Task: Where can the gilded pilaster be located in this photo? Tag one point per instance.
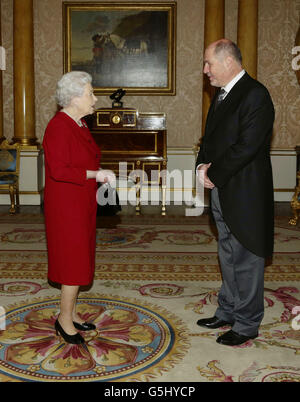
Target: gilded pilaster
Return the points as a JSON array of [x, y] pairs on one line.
[[213, 30], [24, 99], [247, 34]]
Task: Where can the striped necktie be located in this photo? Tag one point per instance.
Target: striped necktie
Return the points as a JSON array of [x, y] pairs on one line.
[[220, 97]]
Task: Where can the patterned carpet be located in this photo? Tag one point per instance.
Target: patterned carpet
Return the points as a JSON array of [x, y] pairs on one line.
[[155, 277]]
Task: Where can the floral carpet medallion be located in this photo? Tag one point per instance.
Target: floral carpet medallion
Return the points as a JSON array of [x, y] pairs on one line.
[[132, 342], [268, 373]]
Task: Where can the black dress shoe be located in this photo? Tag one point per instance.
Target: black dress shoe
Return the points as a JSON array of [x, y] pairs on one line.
[[232, 338], [85, 326], [76, 339], [213, 322]]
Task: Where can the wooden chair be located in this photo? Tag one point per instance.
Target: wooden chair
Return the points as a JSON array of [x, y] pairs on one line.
[[9, 173]]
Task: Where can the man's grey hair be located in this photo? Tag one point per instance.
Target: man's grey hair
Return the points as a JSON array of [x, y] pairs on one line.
[[227, 47], [71, 85]]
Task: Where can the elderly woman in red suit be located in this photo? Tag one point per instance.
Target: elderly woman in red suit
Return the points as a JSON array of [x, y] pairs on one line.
[[72, 162]]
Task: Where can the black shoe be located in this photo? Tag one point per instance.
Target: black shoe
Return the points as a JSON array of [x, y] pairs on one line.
[[213, 322], [75, 339], [232, 338], [85, 326]]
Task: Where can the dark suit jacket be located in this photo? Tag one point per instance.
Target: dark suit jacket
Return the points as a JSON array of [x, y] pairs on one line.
[[237, 143]]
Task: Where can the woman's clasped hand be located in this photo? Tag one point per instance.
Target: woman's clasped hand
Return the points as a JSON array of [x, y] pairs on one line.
[[106, 176]]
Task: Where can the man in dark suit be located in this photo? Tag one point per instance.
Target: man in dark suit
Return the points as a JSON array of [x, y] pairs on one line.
[[234, 162]]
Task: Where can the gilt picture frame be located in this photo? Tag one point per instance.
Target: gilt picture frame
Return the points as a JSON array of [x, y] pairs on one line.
[[129, 45]]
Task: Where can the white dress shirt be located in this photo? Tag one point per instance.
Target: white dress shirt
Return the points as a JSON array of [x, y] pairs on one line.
[[228, 87]]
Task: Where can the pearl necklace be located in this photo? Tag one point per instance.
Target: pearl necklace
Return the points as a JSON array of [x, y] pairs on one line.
[[77, 122]]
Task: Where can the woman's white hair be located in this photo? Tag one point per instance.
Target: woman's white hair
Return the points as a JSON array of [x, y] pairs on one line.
[[71, 85]]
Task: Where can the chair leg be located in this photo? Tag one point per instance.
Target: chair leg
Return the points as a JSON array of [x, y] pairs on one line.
[[12, 200], [17, 197], [293, 221], [295, 205]]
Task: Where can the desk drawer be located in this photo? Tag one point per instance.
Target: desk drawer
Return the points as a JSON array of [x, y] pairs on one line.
[[130, 143]]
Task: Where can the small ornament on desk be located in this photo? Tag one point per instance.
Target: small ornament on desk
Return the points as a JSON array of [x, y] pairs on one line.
[[116, 97]]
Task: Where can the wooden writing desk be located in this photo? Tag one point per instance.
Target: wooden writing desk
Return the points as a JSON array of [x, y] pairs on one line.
[[139, 139]]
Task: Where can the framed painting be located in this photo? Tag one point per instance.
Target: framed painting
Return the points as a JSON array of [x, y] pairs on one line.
[[129, 45]]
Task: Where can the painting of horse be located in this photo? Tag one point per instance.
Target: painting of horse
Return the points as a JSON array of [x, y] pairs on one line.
[[122, 45]]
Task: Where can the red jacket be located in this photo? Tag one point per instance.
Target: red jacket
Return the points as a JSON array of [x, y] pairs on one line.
[[70, 201]]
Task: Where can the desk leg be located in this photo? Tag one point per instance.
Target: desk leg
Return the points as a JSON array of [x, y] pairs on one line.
[[163, 207], [164, 192], [138, 196]]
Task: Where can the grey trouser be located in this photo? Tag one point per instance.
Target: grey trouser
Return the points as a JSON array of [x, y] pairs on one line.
[[241, 297]]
